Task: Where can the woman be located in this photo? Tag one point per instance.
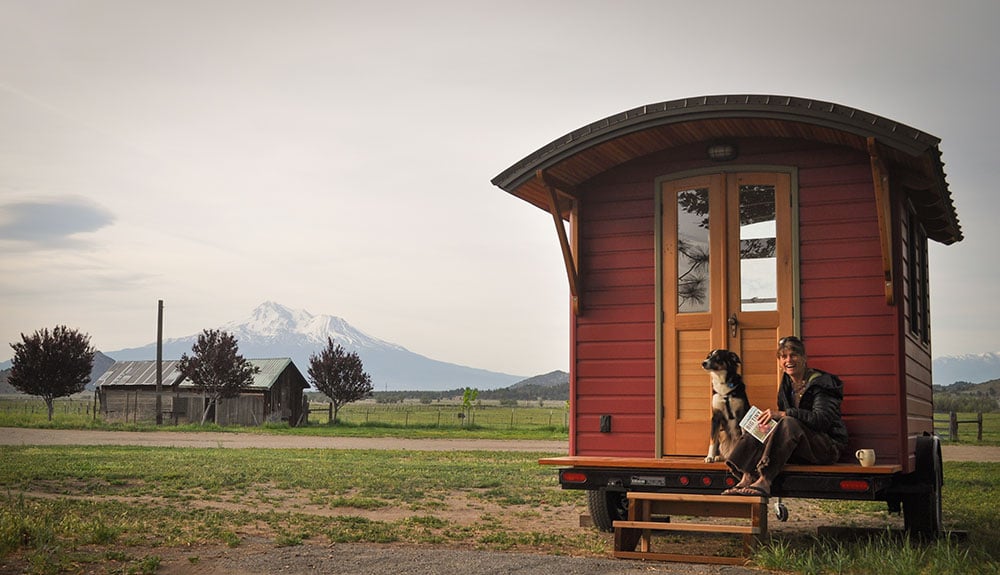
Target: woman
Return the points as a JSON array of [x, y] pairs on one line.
[[809, 428]]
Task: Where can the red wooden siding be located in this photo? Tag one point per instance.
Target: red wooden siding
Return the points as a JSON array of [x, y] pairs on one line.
[[918, 404], [848, 328], [847, 325], [614, 354]]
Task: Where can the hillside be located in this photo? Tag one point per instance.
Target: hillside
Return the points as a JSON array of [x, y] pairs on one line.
[[968, 397]]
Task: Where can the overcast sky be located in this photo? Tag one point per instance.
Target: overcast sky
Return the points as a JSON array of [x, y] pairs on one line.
[[336, 156]]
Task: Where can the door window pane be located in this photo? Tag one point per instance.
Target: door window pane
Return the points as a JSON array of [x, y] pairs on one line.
[[758, 261], [693, 279]]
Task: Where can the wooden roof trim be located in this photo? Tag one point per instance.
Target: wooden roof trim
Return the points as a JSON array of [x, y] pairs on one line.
[[836, 116], [773, 115]]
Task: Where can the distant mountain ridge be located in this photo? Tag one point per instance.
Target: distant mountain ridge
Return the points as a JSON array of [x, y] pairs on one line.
[[274, 330], [970, 368], [551, 379]]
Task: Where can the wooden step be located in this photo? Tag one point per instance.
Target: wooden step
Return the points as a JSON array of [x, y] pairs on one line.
[[638, 529]]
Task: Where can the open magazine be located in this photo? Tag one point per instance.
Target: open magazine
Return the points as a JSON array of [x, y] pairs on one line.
[[750, 425]]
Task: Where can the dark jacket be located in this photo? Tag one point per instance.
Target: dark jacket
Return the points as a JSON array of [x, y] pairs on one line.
[[819, 407]]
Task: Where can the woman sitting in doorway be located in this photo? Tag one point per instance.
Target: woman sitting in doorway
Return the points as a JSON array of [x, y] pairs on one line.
[[809, 428]]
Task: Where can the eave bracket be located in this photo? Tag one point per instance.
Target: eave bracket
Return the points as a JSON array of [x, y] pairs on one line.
[[555, 191], [880, 177]]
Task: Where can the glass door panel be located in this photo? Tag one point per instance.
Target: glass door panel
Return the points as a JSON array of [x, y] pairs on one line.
[[694, 277], [758, 261]]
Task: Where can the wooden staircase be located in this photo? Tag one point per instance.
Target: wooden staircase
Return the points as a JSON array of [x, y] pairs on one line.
[[642, 507]]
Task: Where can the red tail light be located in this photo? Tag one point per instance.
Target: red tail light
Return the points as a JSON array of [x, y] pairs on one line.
[[854, 485], [684, 480], [706, 481], [574, 477]]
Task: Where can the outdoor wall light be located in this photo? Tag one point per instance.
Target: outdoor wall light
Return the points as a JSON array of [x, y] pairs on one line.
[[722, 152]]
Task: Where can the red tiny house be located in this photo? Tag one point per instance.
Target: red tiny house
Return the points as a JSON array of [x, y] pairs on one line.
[[811, 219]]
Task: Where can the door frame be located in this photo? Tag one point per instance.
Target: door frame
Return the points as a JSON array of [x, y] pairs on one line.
[[660, 311]]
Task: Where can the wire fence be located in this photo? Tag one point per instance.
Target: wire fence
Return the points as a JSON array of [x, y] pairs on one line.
[[30, 410], [444, 416]]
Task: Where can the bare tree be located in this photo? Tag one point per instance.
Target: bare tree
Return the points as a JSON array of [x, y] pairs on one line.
[[339, 375], [52, 364], [217, 368]]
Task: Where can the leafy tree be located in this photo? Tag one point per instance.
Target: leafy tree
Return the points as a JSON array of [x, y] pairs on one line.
[[217, 368], [52, 364], [339, 375], [469, 396]]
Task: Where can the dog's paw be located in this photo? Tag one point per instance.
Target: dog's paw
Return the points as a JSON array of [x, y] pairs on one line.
[[712, 459]]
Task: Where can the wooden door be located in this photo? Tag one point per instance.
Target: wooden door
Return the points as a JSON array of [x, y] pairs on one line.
[[727, 280]]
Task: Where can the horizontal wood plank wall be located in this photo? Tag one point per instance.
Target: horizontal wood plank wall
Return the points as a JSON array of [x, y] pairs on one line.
[[615, 354], [847, 326], [918, 401]]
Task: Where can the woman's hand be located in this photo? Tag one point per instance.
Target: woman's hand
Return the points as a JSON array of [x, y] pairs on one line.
[[767, 415]]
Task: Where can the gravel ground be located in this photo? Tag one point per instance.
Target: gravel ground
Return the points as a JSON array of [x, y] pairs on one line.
[[359, 559]]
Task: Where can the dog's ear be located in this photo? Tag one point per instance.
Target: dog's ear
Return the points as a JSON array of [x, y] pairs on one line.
[[735, 358]]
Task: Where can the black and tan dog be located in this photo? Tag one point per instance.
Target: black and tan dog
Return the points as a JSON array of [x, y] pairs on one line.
[[729, 402]]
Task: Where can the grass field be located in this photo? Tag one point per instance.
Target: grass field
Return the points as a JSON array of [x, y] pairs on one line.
[[967, 430], [70, 509]]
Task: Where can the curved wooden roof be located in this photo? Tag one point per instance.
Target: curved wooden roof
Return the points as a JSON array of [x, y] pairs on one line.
[[913, 156]]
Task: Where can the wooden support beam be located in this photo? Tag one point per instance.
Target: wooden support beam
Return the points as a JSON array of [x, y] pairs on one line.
[[567, 249], [880, 177]]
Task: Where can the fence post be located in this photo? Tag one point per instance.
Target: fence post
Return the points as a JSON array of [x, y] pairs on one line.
[[979, 434], [953, 426]]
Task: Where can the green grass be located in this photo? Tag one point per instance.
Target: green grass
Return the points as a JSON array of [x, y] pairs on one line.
[[62, 507], [967, 431]]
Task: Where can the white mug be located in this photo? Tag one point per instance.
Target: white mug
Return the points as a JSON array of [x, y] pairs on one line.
[[866, 457]]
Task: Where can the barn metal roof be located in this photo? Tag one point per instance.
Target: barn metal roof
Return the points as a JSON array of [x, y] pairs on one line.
[[143, 373], [599, 146], [138, 373]]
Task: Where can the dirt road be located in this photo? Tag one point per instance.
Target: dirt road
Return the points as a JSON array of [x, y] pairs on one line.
[[19, 436]]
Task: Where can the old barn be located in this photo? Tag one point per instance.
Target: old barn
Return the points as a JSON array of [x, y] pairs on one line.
[[127, 392]]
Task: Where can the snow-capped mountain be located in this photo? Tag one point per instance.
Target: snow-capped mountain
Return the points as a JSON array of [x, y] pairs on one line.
[[971, 368], [273, 330], [273, 323]]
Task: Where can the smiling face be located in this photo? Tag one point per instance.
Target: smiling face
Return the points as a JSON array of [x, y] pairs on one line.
[[792, 357], [792, 363]]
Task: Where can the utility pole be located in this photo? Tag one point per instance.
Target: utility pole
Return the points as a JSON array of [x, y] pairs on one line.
[[159, 363]]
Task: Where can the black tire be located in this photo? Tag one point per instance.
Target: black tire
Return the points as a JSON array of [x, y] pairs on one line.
[[922, 511], [606, 507]]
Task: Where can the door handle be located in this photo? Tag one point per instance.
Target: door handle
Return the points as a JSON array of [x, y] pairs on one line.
[[733, 324]]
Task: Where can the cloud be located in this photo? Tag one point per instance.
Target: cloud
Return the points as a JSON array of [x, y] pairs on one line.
[[53, 223]]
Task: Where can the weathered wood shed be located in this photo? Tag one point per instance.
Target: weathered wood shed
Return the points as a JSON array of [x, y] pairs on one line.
[[127, 392], [728, 222]]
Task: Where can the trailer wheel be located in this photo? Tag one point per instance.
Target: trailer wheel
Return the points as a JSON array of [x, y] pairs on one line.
[[606, 507], [922, 510]]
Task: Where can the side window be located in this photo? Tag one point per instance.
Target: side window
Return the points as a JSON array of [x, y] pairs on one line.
[[917, 283]]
